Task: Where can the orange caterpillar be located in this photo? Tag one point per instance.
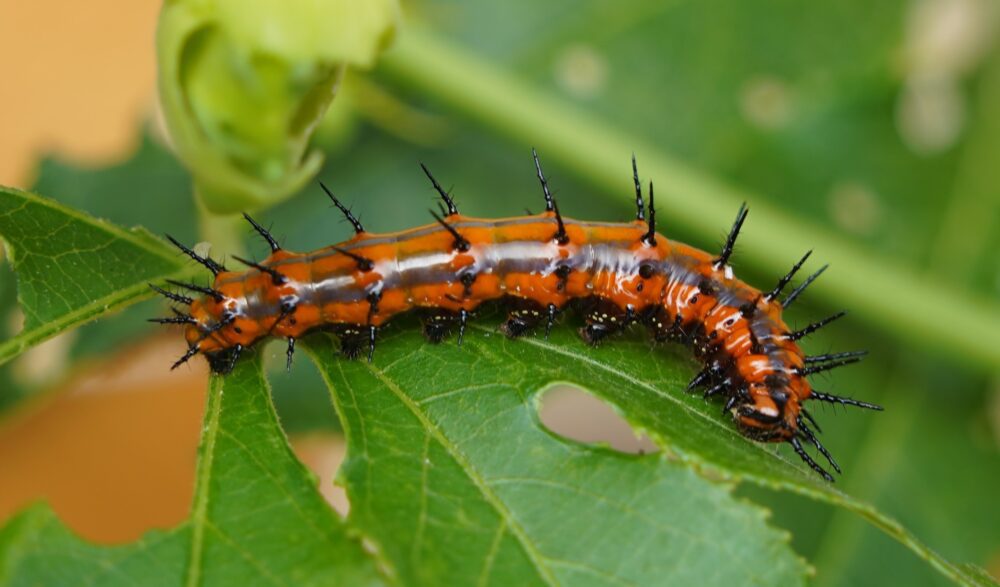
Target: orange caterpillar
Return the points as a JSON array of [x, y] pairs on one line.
[[615, 273]]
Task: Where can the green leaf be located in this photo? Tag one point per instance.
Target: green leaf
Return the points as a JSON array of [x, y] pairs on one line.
[[474, 409], [107, 193], [72, 268], [36, 549], [450, 472], [257, 517]]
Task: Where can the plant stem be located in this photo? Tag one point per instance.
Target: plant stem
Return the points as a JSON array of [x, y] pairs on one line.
[[915, 309], [224, 231]]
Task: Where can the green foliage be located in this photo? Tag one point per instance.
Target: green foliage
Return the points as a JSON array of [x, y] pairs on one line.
[[72, 268], [488, 400], [257, 517], [435, 398], [450, 471], [464, 500], [451, 476], [107, 193]]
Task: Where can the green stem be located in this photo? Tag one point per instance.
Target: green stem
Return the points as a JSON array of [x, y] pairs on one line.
[[915, 309], [224, 231]]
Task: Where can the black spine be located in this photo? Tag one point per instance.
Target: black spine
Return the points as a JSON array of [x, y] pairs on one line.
[[551, 319], [263, 232], [561, 235], [734, 232], [449, 202], [208, 262], [234, 355], [364, 263], [180, 299], [700, 379], [802, 287], [798, 334], [717, 388], [806, 371], [192, 351], [276, 277], [463, 320], [834, 356], [177, 318], [808, 434], [650, 237], [460, 243], [797, 446], [549, 202], [774, 293], [809, 417], [844, 401], [215, 294], [372, 330], [640, 213], [358, 229]]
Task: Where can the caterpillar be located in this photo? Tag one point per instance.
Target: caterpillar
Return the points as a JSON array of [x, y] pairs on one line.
[[616, 274]]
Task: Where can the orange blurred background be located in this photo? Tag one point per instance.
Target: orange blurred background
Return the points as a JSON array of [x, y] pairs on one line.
[[112, 450]]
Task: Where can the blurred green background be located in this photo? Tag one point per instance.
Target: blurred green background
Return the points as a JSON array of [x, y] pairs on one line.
[[877, 122]]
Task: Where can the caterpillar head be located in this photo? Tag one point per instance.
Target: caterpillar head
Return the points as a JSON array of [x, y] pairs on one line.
[[769, 413], [772, 412], [219, 324]]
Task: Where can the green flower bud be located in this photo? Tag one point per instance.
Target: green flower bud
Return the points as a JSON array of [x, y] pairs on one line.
[[243, 84]]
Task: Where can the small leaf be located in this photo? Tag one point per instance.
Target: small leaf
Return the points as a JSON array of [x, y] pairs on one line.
[[72, 268], [257, 517], [450, 472]]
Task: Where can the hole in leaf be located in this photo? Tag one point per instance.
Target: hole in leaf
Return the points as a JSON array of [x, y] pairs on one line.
[[573, 413], [300, 395], [323, 452]]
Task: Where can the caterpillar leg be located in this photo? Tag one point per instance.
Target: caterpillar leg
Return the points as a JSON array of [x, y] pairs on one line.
[[289, 353], [439, 323], [223, 361], [523, 315], [662, 326], [355, 338], [603, 318]]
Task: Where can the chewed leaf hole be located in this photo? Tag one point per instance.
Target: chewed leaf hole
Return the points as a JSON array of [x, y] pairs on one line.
[[575, 414]]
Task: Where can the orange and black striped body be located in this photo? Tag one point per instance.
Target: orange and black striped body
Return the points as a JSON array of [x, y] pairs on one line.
[[616, 273]]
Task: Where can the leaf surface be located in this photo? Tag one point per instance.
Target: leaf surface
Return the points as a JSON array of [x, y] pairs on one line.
[[472, 413], [257, 517], [72, 268], [450, 471]]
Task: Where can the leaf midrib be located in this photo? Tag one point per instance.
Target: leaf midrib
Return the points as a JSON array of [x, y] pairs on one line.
[[199, 513]]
